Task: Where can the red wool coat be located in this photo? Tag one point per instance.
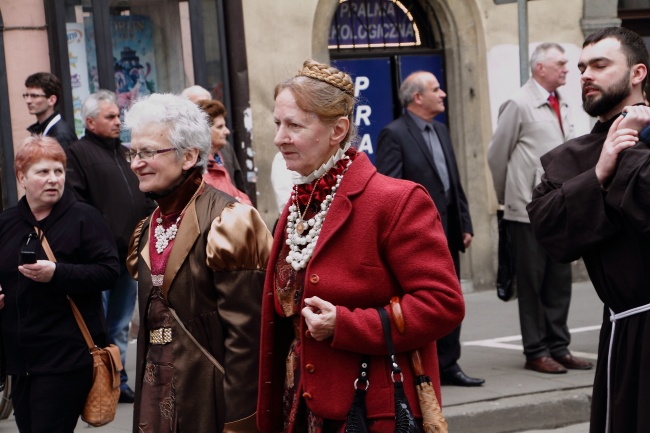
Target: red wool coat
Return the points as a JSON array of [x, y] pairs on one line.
[[382, 237]]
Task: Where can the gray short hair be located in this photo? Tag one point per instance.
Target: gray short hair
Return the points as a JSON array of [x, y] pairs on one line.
[[411, 85], [90, 108], [196, 94], [187, 124], [540, 54]]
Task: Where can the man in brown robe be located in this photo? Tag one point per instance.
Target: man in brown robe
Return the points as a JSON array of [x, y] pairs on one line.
[[593, 202]]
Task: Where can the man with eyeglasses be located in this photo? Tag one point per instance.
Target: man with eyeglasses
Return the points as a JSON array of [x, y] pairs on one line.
[[42, 94], [99, 174]]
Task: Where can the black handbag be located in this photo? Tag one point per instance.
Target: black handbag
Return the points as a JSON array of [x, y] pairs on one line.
[[404, 420], [506, 272], [356, 421]]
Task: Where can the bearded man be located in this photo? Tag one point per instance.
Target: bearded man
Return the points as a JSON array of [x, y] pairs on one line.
[[593, 203]]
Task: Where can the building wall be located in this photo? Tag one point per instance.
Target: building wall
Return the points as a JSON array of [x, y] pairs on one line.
[[482, 58], [26, 52]]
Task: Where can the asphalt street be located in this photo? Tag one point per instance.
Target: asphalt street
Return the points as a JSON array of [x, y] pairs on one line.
[[512, 399]]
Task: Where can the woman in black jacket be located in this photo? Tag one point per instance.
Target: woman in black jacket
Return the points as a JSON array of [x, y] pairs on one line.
[[44, 349]]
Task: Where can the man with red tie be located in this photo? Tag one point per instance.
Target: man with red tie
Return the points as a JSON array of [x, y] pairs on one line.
[[531, 123]]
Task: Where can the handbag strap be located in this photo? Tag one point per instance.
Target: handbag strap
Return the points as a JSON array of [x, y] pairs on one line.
[[385, 324], [362, 383], [75, 311]]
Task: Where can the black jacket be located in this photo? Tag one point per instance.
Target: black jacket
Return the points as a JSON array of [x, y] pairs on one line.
[[403, 153], [39, 332], [99, 175], [63, 133]]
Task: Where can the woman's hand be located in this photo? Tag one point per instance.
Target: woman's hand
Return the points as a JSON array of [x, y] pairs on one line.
[[320, 317], [2, 299], [42, 271]]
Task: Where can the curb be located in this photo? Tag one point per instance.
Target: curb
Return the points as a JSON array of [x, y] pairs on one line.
[[519, 413]]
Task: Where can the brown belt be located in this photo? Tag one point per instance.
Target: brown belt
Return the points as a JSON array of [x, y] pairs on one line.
[[160, 336]]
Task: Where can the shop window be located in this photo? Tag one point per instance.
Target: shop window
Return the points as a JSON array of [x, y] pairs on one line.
[[145, 45]]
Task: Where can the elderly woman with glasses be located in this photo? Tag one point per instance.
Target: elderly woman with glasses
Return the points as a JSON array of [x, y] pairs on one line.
[[200, 261]]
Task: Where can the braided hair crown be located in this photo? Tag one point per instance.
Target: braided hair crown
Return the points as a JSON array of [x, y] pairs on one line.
[[327, 74]]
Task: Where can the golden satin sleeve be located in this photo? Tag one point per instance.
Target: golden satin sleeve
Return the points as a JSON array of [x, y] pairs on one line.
[[238, 239], [132, 254]]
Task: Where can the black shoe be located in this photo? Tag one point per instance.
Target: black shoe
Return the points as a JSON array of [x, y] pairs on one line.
[[458, 378], [126, 395]]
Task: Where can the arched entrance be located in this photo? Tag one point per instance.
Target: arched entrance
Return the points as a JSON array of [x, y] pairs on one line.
[[379, 43], [457, 38]]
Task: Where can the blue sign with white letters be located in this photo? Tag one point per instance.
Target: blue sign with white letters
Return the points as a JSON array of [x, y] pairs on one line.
[[370, 23], [373, 89]]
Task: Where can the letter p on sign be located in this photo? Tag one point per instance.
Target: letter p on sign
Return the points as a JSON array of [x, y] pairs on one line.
[[360, 83]]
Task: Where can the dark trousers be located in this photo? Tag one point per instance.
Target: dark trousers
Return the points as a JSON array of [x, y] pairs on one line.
[[544, 294], [50, 403], [448, 347]]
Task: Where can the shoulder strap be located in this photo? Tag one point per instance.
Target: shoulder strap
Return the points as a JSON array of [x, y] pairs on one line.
[[385, 324], [203, 350], [77, 315]]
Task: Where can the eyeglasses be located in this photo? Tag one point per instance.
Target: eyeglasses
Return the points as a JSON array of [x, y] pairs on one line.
[[145, 154], [33, 95]]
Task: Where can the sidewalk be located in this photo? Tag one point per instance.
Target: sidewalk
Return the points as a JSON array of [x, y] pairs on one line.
[[512, 399]]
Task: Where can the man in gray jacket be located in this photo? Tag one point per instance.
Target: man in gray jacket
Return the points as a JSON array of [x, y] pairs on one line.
[[531, 123]]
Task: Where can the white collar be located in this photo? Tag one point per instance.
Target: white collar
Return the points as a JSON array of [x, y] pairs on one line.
[[298, 180], [53, 122]]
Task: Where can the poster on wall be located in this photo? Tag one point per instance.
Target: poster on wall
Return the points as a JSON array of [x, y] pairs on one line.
[[78, 71], [133, 53], [133, 57]]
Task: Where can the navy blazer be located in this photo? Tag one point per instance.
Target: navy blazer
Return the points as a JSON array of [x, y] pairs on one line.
[[402, 153]]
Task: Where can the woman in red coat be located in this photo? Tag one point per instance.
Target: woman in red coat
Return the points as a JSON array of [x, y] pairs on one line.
[[348, 240]]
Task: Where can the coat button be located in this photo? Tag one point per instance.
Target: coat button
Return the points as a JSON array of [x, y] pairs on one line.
[[306, 396], [314, 279], [310, 368]]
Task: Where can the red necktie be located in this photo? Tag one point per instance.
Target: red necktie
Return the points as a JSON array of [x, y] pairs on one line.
[[552, 99]]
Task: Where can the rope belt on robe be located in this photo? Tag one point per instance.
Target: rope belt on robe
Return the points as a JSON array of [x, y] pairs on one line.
[[613, 318]]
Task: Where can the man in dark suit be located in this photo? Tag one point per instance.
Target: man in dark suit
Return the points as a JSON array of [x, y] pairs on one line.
[[417, 148]]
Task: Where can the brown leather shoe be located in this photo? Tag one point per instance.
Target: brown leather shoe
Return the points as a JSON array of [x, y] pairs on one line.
[[571, 362], [545, 364]]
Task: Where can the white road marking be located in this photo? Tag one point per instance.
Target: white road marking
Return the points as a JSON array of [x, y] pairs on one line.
[[502, 342]]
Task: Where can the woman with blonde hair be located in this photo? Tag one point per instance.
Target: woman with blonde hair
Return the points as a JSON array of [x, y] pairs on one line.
[[349, 240]]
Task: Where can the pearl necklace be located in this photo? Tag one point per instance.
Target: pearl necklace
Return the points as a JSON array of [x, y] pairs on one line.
[[302, 247], [165, 236]]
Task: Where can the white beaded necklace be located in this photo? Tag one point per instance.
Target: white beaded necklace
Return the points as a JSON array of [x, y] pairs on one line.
[[302, 247], [165, 236]]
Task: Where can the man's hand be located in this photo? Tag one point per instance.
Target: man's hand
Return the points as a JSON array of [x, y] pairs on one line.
[[618, 139], [320, 317], [636, 117], [467, 239], [42, 271]]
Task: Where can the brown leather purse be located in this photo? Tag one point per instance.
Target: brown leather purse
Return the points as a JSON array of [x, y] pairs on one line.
[[101, 403]]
